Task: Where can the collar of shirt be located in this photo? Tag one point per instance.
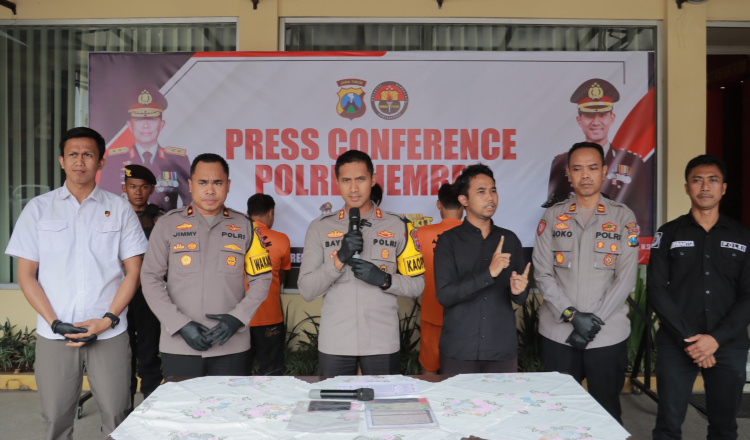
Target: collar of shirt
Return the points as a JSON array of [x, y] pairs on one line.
[[95, 194], [153, 150], [721, 223]]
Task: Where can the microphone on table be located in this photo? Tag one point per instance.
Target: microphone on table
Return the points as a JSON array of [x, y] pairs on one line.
[[354, 224], [358, 394]]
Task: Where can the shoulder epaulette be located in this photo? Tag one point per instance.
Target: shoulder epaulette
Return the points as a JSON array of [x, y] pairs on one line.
[[176, 151], [327, 214], [115, 151]]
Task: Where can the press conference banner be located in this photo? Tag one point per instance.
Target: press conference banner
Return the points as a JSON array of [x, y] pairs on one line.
[[282, 118]]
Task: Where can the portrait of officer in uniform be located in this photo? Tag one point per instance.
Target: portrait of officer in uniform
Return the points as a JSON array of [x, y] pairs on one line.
[[359, 263], [585, 260], [628, 179], [170, 165]]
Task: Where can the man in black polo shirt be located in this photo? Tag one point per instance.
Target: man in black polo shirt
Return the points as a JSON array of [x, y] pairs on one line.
[[699, 286], [479, 270]]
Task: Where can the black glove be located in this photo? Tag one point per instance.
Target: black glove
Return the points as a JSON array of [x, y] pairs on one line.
[[66, 328], [577, 341], [221, 332], [194, 334], [86, 341], [369, 273], [586, 324], [350, 244]]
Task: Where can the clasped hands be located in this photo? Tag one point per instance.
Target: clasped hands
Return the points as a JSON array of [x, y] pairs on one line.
[[585, 328], [201, 338], [701, 349], [80, 334]]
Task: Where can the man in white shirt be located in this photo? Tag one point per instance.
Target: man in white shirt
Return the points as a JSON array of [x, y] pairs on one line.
[[79, 256]]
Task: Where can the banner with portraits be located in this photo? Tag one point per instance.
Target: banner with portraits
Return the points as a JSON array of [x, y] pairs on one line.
[[282, 118]]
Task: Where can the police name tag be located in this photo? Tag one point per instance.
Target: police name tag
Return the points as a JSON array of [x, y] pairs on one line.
[[679, 244], [735, 246]]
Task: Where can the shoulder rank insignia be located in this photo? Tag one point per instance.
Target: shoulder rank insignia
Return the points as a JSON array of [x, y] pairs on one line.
[[378, 213], [190, 210], [115, 151], [601, 209], [572, 208], [175, 151], [342, 214], [226, 212]]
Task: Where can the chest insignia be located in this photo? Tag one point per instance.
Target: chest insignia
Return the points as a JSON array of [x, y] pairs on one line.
[[385, 253], [609, 227], [679, 244], [385, 234], [335, 234], [233, 247], [609, 260], [178, 247], [613, 247], [184, 226], [231, 261], [600, 245], [560, 258], [233, 228], [192, 246], [561, 226], [541, 226], [564, 217], [735, 246], [384, 268], [186, 260]]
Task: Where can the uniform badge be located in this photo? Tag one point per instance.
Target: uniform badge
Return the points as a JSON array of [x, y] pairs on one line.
[[178, 247], [190, 211], [562, 226], [600, 245], [184, 226], [384, 268], [389, 100], [225, 212], [633, 240], [192, 246], [564, 217], [657, 241], [572, 208], [609, 227], [233, 228], [233, 247], [560, 258], [351, 103], [384, 253], [378, 213], [609, 260], [613, 247], [106, 213], [601, 209], [541, 226], [186, 260], [342, 214], [385, 234], [631, 225], [231, 261], [259, 237], [335, 234], [414, 238]]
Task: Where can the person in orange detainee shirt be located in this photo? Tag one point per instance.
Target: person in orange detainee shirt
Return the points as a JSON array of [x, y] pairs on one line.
[[267, 330], [431, 316]]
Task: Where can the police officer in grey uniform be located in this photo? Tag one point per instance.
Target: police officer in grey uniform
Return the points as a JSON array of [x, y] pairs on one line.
[[359, 270], [585, 259], [207, 248], [170, 165]]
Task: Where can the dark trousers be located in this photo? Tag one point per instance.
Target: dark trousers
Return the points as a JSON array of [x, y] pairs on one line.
[[675, 376], [603, 368], [457, 366], [267, 343], [179, 365], [143, 329], [339, 365]]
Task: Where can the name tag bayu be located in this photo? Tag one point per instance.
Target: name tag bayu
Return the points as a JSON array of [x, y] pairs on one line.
[[736, 246], [679, 244]]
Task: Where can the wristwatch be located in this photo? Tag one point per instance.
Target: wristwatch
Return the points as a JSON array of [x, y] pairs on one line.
[[115, 320], [568, 313]]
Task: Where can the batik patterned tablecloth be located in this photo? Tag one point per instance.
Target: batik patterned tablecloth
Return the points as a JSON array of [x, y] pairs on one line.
[[538, 406]]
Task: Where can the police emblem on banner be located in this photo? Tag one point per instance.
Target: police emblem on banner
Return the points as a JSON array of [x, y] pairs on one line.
[[351, 103], [389, 100]]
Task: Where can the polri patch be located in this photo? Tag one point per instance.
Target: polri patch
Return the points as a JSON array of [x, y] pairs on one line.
[[609, 227], [735, 246], [541, 226]]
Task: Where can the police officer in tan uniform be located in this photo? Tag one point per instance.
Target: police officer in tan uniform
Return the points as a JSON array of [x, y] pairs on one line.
[[629, 180], [170, 165], [585, 259], [359, 271], [206, 248]]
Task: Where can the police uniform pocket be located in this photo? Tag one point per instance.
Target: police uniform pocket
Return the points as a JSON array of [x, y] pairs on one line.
[[53, 235], [231, 258], [682, 252], [606, 253], [105, 237], [384, 257], [562, 251], [184, 255], [733, 255]]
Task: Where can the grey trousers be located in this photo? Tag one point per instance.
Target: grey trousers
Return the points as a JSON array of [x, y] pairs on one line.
[[59, 376]]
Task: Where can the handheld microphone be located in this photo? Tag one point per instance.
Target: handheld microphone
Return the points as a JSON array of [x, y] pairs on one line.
[[358, 394], [354, 224]]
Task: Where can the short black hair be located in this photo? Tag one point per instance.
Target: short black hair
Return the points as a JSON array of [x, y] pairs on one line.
[[83, 132], [352, 156], [448, 197], [209, 158], [580, 145], [463, 181], [259, 204], [376, 194], [707, 159]]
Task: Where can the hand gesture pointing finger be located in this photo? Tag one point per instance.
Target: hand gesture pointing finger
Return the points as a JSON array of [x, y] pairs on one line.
[[518, 283], [500, 260]]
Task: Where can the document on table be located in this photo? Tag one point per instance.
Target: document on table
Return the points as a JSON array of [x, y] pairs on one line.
[[399, 413], [383, 389]]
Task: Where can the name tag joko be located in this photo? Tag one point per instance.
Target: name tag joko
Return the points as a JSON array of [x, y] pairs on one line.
[[736, 246], [679, 244]]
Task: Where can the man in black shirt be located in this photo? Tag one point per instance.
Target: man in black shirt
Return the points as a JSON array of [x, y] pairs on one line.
[[699, 286], [477, 275]]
